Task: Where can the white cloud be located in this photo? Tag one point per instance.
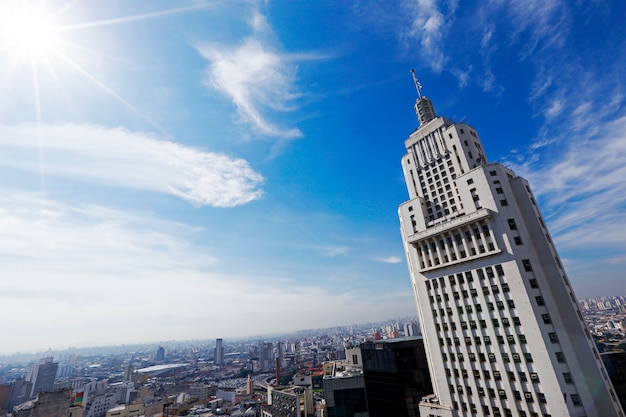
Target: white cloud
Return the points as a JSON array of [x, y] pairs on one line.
[[334, 251], [135, 160], [583, 191], [91, 267], [258, 78], [390, 260], [428, 27]]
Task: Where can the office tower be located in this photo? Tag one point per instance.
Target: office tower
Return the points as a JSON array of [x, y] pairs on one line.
[[266, 358], [20, 392], [160, 354], [218, 357], [396, 376], [501, 326], [42, 376]]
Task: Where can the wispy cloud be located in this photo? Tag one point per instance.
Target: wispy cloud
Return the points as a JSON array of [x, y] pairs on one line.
[[257, 76], [390, 260], [582, 189], [136, 160], [334, 251], [428, 27]]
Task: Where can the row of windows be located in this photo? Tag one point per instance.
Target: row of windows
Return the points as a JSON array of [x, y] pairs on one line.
[[510, 339], [496, 411], [468, 309], [491, 357], [473, 292], [473, 324], [462, 278], [497, 375], [492, 393]]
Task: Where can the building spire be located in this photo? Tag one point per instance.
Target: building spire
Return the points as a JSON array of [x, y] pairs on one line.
[[424, 108], [418, 86]]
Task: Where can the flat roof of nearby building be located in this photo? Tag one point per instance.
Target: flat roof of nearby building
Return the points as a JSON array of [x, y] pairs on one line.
[[159, 369]]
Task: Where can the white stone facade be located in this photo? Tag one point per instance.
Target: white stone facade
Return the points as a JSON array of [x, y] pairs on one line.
[[503, 333]]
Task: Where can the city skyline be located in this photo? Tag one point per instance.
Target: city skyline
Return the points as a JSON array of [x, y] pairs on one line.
[[230, 168]]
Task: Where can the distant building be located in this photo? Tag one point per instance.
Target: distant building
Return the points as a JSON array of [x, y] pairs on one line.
[[49, 404], [266, 358], [5, 392], [42, 376], [160, 354], [218, 357], [199, 391], [411, 329], [286, 403], [20, 392], [396, 376], [98, 405], [127, 410]]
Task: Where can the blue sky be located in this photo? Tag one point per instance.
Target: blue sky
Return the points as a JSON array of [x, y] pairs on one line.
[[232, 168]]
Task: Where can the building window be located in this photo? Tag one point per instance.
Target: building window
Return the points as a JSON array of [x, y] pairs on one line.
[[470, 181], [560, 357], [511, 303], [517, 240], [527, 266], [512, 224], [533, 283], [522, 339], [534, 377], [504, 203], [493, 173], [567, 377], [539, 300], [528, 396], [529, 359], [546, 318], [522, 377], [576, 400], [541, 397], [516, 321], [499, 190]]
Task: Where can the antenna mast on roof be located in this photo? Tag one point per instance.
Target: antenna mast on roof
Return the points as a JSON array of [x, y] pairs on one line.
[[418, 86]]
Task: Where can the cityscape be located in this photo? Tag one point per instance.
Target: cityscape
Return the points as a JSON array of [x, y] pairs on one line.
[[190, 376], [458, 217], [257, 208]]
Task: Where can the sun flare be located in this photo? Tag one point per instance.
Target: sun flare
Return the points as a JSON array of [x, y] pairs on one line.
[[28, 32]]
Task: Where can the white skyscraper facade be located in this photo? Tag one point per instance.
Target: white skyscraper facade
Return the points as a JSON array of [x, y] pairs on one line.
[[503, 332]]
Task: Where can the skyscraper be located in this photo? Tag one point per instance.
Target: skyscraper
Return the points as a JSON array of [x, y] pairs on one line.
[[42, 376], [503, 333], [218, 357]]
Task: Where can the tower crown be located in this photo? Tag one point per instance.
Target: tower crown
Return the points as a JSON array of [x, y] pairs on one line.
[[424, 109]]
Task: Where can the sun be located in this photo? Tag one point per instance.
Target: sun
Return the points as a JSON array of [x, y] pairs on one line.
[[28, 31]]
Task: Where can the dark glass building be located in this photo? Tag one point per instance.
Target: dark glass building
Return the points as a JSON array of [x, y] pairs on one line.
[[396, 376]]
